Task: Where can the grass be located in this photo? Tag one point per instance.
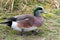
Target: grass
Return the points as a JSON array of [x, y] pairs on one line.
[[50, 30]]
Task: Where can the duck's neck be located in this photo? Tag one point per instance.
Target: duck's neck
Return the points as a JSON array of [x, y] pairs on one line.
[[37, 14]]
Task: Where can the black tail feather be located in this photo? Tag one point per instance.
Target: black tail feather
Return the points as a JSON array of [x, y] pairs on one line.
[[3, 22]]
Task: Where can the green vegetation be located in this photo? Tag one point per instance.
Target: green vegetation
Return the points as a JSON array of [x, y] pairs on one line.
[[50, 30]]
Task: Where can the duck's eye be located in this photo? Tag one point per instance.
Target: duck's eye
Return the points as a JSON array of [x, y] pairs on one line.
[[40, 8]]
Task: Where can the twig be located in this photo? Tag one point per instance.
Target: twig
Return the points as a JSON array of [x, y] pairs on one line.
[[6, 3], [12, 5], [1, 2]]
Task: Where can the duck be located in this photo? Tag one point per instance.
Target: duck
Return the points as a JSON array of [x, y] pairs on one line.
[[26, 22]]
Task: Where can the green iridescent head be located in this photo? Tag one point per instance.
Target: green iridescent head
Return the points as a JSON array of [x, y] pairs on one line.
[[38, 11]]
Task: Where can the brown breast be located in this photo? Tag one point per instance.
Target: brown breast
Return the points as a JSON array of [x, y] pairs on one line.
[[38, 21]]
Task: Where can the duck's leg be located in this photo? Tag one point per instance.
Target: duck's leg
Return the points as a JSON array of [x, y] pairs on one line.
[[23, 33], [35, 32]]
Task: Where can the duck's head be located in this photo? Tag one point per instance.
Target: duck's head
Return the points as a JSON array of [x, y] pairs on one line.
[[38, 11]]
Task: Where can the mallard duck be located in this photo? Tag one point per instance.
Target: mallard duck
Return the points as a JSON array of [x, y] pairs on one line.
[[26, 22]]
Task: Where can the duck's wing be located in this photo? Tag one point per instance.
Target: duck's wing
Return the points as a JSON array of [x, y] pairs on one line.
[[26, 21], [21, 17]]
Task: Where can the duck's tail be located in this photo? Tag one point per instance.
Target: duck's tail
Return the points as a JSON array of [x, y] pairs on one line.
[[4, 22]]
